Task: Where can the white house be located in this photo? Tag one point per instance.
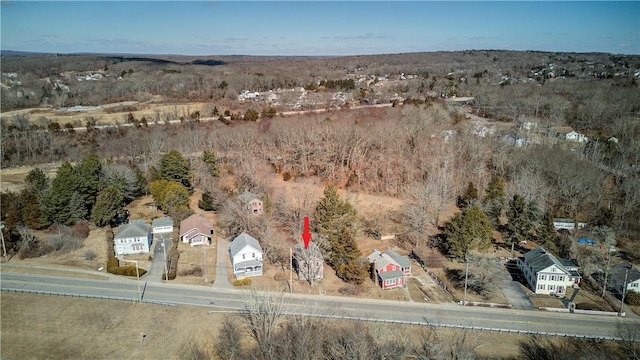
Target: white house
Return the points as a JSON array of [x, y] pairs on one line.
[[547, 274], [618, 275], [162, 227], [567, 224], [132, 238], [196, 230], [246, 256], [576, 137]]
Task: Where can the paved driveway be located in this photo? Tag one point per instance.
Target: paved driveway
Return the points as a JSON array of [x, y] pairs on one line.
[[154, 274], [513, 291], [222, 265]]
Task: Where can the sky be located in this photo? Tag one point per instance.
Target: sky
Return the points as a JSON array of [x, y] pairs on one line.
[[317, 27]]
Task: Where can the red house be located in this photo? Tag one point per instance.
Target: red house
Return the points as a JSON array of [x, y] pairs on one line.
[[389, 269]]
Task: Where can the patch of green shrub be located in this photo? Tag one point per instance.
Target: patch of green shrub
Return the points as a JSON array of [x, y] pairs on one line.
[[112, 263], [246, 281], [129, 270], [238, 282], [633, 298]]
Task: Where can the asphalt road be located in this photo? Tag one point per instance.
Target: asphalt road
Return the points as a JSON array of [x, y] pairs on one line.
[[214, 299]]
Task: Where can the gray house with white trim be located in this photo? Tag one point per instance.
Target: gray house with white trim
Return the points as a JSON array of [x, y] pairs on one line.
[[132, 238]]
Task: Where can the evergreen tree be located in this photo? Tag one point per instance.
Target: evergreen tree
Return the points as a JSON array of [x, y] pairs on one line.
[[174, 167], [31, 208], [547, 236], [206, 203], [37, 181], [170, 196], [469, 197], [157, 190], [121, 177], [108, 206], [467, 230], [142, 185], [76, 209], [337, 220], [494, 199], [251, 115], [56, 200], [518, 226], [211, 162], [332, 213], [345, 257], [88, 179]]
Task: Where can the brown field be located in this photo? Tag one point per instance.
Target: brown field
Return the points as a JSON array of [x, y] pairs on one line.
[[49, 327], [12, 179], [102, 117]]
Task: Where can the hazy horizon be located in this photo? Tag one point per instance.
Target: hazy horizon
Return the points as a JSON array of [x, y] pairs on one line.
[[310, 28]]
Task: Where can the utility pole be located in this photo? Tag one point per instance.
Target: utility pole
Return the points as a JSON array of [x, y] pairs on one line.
[[138, 277], [4, 249], [466, 276], [624, 291], [164, 250], [204, 262]]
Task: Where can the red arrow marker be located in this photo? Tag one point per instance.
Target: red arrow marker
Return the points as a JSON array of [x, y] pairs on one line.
[[306, 235]]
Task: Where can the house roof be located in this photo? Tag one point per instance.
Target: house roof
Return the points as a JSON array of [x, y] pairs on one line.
[[388, 257], [252, 263], [403, 261], [540, 259], [247, 196], [136, 228], [390, 275], [196, 221], [618, 273], [161, 222], [241, 241]]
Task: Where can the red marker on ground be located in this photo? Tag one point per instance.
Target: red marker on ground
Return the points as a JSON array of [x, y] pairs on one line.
[[306, 235]]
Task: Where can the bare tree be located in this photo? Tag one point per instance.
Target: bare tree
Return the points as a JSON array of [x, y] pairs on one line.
[[229, 340], [531, 185], [483, 273], [629, 333], [263, 314], [310, 262], [28, 240], [604, 254]]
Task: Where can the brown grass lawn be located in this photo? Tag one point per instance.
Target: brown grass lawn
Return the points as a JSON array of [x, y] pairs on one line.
[[12, 179], [106, 118], [50, 327]]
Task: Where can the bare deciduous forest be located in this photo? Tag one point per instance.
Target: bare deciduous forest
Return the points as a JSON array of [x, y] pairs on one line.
[[557, 132]]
